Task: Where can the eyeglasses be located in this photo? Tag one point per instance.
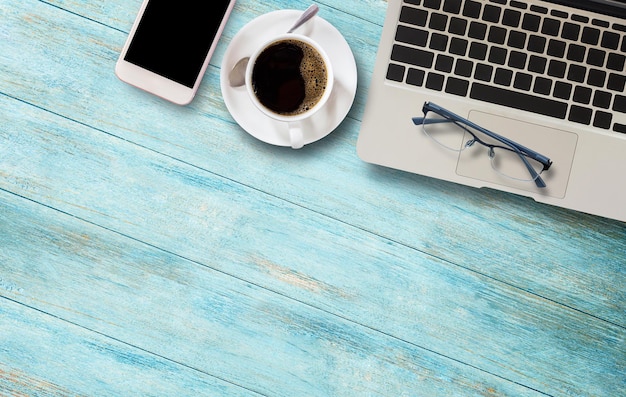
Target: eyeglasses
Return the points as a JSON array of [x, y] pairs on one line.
[[508, 158]]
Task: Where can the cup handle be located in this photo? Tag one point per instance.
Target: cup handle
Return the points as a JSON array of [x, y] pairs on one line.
[[296, 137]]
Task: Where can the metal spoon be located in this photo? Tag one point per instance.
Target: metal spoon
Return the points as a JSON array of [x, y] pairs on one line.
[[237, 75]]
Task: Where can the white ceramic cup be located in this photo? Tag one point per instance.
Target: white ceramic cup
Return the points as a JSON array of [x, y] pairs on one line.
[[294, 122]]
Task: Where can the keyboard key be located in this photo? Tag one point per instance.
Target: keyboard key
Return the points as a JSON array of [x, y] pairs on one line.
[[570, 31], [562, 90], [616, 82], [596, 57], [576, 73], [503, 77], [551, 27], [483, 72], [413, 36], [444, 63], [458, 46], [433, 4], [517, 39], [395, 72], [497, 35], [434, 81], [602, 120], [519, 4], [596, 78], [602, 99], [556, 48], [537, 64], [478, 51], [619, 128], [497, 55], [518, 100], [464, 68], [601, 23], [539, 9], [438, 22], [477, 30], [616, 62], [517, 60], [415, 77], [610, 40], [457, 26], [472, 9], [620, 104], [542, 86], [557, 69], [531, 22], [590, 35], [511, 18], [438, 42], [579, 114], [457, 86], [452, 6], [523, 81], [412, 56], [491, 13], [536, 44], [582, 95], [414, 16], [576, 53]]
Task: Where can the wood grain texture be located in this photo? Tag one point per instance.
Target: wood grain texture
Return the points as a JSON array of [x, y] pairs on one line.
[[513, 239], [173, 236], [46, 356], [205, 320], [288, 250]]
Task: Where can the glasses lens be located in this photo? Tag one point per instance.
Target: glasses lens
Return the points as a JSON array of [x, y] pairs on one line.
[[445, 132], [513, 165]]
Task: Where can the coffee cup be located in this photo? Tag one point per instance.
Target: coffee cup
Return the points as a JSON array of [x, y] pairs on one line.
[[290, 78]]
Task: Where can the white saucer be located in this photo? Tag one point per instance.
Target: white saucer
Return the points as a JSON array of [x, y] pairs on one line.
[[322, 123]]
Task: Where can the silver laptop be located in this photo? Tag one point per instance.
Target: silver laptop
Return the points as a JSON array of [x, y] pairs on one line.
[[526, 97]]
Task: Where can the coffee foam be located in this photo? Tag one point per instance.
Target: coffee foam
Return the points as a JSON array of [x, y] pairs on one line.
[[313, 71]]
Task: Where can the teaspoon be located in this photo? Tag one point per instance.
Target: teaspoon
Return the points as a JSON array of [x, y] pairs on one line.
[[237, 75]]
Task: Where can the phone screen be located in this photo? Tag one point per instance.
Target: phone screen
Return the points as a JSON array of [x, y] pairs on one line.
[[174, 37]]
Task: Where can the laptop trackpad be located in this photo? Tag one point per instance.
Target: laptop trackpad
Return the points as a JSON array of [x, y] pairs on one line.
[[556, 144]]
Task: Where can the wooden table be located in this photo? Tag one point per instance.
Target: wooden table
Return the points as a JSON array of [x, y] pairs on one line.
[[151, 249]]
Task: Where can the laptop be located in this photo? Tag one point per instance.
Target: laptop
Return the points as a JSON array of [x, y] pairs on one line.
[[547, 76]]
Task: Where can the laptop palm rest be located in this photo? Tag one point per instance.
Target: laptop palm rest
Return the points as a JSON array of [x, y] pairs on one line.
[[558, 145]]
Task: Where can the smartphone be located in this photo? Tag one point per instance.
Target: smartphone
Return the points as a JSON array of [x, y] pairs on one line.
[[170, 45]]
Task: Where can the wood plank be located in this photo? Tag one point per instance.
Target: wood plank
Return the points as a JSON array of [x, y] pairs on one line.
[[41, 355], [561, 255], [326, 265], [152, 305]]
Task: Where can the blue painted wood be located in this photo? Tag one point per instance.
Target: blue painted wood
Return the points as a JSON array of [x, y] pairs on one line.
[[118, 209], [46, 356], [473, 218], [221, 326]]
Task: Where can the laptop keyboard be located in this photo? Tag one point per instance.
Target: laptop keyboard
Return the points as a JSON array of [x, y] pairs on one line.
[[515, 54]]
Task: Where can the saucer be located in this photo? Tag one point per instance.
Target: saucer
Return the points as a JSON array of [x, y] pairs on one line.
[[320, 124]]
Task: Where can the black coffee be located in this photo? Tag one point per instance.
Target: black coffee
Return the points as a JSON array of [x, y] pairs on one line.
[[289, 77]]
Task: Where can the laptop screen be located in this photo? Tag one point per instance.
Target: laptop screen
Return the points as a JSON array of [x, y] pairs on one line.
[[610, 7]]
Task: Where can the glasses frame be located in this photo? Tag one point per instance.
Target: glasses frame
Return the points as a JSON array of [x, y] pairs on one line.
[[523, 152]]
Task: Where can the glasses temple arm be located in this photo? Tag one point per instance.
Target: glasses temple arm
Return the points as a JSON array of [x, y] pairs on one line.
[[422, 120], [536, 177]]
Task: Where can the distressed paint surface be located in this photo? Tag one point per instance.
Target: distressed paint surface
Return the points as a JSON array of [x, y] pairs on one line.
[[149, 249]]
